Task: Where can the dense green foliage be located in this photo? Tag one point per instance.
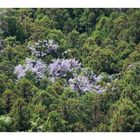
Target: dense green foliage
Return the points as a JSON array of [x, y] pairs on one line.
[[104, 41]]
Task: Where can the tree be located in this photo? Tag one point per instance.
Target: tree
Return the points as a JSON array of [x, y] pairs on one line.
[[55, 122], [8, 98], [125, 114], [25, 89], [20, 115], [5, 124]]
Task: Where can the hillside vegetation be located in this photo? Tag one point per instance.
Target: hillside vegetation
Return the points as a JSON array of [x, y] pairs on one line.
[[70, 70]]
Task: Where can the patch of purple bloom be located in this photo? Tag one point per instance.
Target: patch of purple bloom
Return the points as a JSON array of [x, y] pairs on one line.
[[62, 67], [42, 48], [36, 66], [80, 84]]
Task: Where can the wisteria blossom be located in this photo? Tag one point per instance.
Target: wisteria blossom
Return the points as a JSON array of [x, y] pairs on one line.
[[79, 79], [80, 84], [97, 78], [51, 46], [83, 83], [36, 66], [42, 48], [20, 71], [61, 67], [99, 89]]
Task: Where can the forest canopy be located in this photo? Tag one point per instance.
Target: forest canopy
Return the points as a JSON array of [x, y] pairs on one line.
[[70, 70]]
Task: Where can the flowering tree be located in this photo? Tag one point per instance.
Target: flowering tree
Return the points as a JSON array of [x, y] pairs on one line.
[[63, 67], [20, 71], [99, 89], [68, 69], [87, 82], [36, 66], [80, 84], [42, 48]]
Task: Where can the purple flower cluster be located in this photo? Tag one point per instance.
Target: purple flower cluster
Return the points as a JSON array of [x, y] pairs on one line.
[[36, 66], [42, 48], [20, 71], [61, 67], [99, 89], [79, 79], [87, 83], [80, 84], [51, 46]]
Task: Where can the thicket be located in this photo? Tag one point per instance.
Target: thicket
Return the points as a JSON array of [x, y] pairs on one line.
[[70, 70]]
